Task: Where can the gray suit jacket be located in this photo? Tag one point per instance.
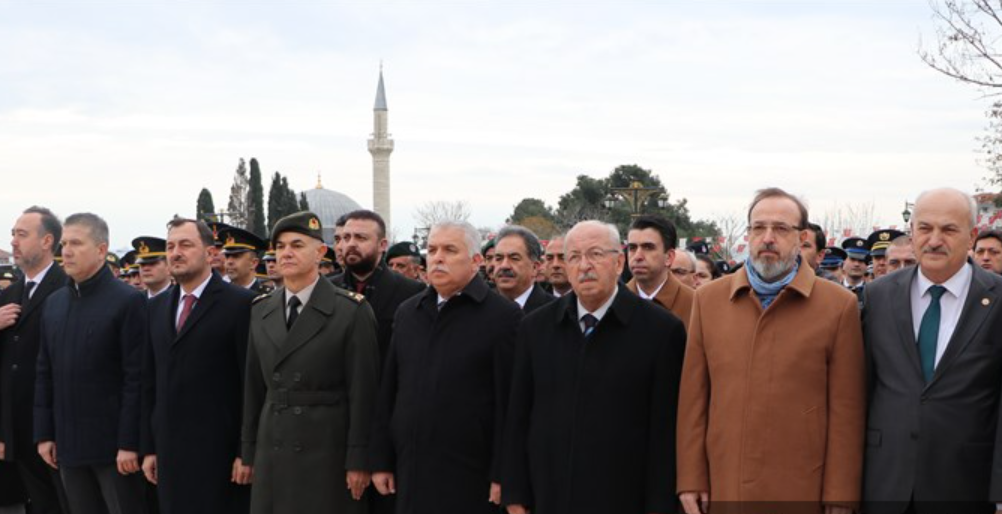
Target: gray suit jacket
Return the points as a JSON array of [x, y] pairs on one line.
[[935, 443]]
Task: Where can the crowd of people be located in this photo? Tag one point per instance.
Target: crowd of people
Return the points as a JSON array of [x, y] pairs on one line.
[[213, 371]]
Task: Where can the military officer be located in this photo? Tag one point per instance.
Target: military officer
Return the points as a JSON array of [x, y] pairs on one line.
[[114, 264], [271, 266], [130, 271], [7, 277], [878, 242], [832, 262], [151, 257], [312, 373], [241, 249], [218, 260], [854, 267], [327, 262], [405, 258]]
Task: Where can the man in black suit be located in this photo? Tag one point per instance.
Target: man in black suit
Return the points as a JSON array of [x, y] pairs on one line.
[[193, 381], [934, 369], [88, 383], [591, 418], [517, 258], [35, 237], [439, 417]]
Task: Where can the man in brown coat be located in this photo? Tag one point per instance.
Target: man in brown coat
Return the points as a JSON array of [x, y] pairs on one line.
[[651, 245], [781, 428]]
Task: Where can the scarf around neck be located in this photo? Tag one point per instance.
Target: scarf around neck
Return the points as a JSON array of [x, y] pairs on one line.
[[768, 291]]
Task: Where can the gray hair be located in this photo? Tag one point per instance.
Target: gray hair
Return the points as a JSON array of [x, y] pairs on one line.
[[532, 245], [904, 240], [610, 229], [97, 227], [972, 205], [692, 258], [470, 234]]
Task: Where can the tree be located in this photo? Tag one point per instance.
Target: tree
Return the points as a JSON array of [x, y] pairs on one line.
[[850, 219], [255, 201], [205, 209], [304, 204], [435, 211], [586, 200], [237, 206], [541, 226], [276, 200], [530, 207], [734, 230]]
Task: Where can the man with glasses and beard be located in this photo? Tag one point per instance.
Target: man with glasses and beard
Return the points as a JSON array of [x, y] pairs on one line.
[[783, 421], [34, 240], [191, 413]]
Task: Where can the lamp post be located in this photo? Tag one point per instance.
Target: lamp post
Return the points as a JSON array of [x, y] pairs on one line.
[[636, 195]]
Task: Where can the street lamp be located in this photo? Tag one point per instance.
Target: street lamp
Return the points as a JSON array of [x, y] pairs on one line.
[[907, 213], [636, 195]]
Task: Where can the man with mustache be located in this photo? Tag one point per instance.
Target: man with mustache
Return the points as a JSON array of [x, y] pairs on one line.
[[651, 244], [516, 262], [934, 365], [988, 251], [772, 406], [555, 267], [436, 442], [594, 391], [191, 413]]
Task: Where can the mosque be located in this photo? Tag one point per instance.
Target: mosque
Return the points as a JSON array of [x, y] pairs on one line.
[[330, 205]]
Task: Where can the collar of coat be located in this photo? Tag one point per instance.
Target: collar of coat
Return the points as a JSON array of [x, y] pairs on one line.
[[622, 307], [476, 290], [668, 293], [803, 283], [349, 278], [92, 284]]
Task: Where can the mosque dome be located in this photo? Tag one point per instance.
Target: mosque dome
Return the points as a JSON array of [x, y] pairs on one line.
[[329, 206]]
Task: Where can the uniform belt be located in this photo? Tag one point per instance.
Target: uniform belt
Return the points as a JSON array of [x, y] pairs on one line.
[[282, 398]]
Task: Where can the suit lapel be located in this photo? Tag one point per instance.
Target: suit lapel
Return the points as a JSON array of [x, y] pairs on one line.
[[903, 318], [980, 301], [311, 319], [54, 279], [203, 305]]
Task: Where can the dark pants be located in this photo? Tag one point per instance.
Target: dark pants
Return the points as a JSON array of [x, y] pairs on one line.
[[45, 489], [102, 490]]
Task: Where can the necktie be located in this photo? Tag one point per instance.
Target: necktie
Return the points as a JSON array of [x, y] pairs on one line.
[[186, 307], [294, 304], [929, 332], [589, 322], [28, 288]]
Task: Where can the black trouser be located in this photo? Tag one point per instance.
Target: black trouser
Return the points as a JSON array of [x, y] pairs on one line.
[[42, 483], [102, 490]]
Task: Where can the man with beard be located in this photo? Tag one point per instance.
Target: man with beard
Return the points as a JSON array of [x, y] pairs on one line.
[[436, 440], [555, 267], [988, 251], [405, 259], [191, 413], [364, 240], [516, 261], [89, 377], [594, 391], [34, 238], [151, 256], [783, 420], [338, 242], [651, 245]]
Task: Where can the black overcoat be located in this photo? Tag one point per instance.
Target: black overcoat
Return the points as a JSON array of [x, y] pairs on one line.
[[591, 423], [439, 418], [193, 398]]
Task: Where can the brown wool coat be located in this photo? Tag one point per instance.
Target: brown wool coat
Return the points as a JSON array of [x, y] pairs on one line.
[[674, 296], [784, 418]]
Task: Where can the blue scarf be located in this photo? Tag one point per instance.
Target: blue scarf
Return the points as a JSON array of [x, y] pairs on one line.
[[768, 291]]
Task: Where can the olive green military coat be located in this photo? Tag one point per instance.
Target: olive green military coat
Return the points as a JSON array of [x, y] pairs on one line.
[[309, 398]]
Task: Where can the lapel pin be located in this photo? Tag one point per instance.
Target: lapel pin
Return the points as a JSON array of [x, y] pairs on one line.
[[985, 302]]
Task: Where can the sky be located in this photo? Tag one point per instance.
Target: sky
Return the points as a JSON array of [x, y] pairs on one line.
[[129, 109]]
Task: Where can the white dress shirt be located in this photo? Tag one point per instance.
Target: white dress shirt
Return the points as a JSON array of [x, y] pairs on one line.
[[951, 304], [304, 296], [524, 297], [197, 293], [599, 312], [645, 296], [37, 279]]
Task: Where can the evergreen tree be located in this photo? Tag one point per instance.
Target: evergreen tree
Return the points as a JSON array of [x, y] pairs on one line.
[[255, 201], [237, 206], [276, 201], [304, 205], [205, 208]]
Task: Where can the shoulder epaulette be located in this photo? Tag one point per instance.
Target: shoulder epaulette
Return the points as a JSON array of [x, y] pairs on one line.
[[259, 298], [358, 298]]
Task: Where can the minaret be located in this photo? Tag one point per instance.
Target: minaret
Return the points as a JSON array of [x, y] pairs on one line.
[[380, 146]]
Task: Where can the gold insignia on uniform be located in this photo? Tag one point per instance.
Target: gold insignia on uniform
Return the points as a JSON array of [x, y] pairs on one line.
[[985, 302], [314, 224], [110, 258], [143, 249], [230, 241], [884, 236], [259, 298]]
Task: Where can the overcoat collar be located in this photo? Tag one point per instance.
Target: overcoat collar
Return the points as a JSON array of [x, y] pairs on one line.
[[803, 283], [312, 318]]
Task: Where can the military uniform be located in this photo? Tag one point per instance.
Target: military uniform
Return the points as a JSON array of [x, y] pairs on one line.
[[309, 395], [878, 243], [857, 249], [237, 241]]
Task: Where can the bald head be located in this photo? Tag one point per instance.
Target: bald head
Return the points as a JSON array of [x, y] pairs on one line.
[[942, 232], [956, 201]]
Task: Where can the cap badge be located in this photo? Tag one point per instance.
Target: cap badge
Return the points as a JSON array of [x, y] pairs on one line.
[[314, 224]]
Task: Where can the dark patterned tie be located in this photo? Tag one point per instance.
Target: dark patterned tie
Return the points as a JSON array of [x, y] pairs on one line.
[[590, 322], [294, 304]]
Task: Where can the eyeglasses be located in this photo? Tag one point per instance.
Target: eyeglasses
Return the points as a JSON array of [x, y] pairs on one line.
[[593, 256], [779, 229]]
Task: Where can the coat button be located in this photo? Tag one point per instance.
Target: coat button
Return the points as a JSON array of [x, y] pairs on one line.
[[297, 410], [277, 376]]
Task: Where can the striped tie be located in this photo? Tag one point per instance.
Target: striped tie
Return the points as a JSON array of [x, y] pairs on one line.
[[590, 322]]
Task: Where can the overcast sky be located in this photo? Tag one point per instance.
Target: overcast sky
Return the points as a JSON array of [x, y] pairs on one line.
[[128, 109]]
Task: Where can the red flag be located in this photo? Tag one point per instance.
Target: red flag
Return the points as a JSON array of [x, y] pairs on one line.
[[846, 232]]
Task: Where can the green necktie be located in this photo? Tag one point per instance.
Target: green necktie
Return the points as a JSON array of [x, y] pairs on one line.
[[929, 332]]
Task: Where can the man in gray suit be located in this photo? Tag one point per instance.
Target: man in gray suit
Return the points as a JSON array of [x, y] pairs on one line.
[[934, 372]]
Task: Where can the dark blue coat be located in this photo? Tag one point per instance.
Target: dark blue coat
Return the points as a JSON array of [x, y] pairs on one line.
[[87, 388], [193, 397]]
